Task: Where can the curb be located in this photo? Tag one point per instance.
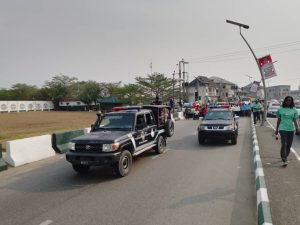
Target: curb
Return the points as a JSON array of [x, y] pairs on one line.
[[262, 200], [3, 165]]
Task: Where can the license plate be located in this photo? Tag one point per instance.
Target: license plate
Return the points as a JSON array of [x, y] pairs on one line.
[[84, 162]]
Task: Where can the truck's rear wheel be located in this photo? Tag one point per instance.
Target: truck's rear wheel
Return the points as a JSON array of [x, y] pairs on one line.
[[123, 167], [160, 145], [81, 168], [169, 126]]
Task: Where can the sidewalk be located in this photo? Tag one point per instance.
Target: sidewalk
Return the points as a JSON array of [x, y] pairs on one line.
[[283, 184]]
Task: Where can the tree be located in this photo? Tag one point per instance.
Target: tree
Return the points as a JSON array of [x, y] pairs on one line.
[[156, 85], [59, 88], [89, 92], [23, 91], [5, 94], [130, 94], [111, 89]]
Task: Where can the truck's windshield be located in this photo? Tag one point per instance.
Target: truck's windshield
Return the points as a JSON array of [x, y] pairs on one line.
[[117, 121]]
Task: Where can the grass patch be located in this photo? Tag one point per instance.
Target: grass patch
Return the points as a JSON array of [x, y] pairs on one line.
[[29, 124]]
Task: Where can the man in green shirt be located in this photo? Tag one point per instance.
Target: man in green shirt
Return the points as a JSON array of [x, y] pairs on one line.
[[256, 111]]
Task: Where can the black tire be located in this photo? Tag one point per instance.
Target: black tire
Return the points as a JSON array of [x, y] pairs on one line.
[[234, 139], [200, 139], [81, 169], [160, 145], [123, 167], [169, 126]]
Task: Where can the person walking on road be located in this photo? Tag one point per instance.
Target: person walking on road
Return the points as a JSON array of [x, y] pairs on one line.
[[287, 122], [256, 111]]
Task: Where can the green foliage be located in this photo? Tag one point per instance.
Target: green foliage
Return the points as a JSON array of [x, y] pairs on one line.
[[5, 95], [59, 88], [63, 87], [89, 92], [154, 85], [130, 94]]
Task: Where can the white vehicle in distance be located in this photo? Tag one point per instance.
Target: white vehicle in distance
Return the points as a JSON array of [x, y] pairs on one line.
[[272, 109], [297, 106]]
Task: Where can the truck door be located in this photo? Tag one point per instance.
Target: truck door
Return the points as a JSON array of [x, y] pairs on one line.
[[151, 128], [140, 138]]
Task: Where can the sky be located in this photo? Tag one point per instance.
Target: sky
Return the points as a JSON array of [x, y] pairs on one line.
[[116, 40]]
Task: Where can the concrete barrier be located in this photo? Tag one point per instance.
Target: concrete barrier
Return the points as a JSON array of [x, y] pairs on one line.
[[3, 165], [27, 150], [60, 140]]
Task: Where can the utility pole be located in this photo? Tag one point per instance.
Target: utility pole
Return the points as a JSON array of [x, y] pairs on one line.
[[185, 78], [179, 83], [240, 25], [173, 87]]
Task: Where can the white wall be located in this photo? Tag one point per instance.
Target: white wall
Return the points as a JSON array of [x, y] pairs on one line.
[[19, 106]]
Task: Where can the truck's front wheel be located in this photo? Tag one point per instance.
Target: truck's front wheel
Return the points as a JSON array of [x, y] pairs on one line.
[[123, 167]]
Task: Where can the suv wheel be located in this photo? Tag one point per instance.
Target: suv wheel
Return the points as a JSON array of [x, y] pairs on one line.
[[160, 145], [169, 128], [234, 139], [123, 167], [81, 168], [200, 139]]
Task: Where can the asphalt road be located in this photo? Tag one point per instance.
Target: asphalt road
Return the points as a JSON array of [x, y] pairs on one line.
[[189, 184]]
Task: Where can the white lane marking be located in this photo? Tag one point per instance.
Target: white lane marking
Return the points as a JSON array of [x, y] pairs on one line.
[[156, 156], [296, 154], [47, 222], [293, 150]]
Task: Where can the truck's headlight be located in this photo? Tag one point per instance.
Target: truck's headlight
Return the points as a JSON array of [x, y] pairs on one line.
[[71, 146], [202, 127], [230, 127], [110, 147]]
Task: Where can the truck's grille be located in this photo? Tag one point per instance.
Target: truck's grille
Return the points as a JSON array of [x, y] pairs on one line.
[[88, 147], [215, 127]]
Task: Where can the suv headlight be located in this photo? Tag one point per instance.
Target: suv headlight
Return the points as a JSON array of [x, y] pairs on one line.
[[202, 127], [110, 147], [71, 146], [230, 127]]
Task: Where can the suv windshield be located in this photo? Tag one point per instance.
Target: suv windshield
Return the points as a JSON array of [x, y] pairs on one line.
[[218, 115], [117, 121]]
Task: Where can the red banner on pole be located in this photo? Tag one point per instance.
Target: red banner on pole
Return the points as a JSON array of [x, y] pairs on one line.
[[267, 67]]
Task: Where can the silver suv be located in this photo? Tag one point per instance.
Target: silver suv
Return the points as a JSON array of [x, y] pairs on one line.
[[218, 122]]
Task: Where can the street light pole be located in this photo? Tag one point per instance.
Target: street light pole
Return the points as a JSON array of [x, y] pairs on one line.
[[261, 73], [173, 87]]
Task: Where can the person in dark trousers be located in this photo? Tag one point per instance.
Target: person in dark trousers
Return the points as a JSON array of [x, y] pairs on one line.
[[287, 122], [256, 111]]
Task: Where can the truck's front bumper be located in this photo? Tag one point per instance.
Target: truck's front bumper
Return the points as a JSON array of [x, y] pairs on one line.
[[92, 159]]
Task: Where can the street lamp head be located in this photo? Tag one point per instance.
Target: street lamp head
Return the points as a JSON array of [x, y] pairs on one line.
[[238, 24]]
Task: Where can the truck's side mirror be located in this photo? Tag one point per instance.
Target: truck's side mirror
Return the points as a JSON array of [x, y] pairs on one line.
[[92, 127]]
